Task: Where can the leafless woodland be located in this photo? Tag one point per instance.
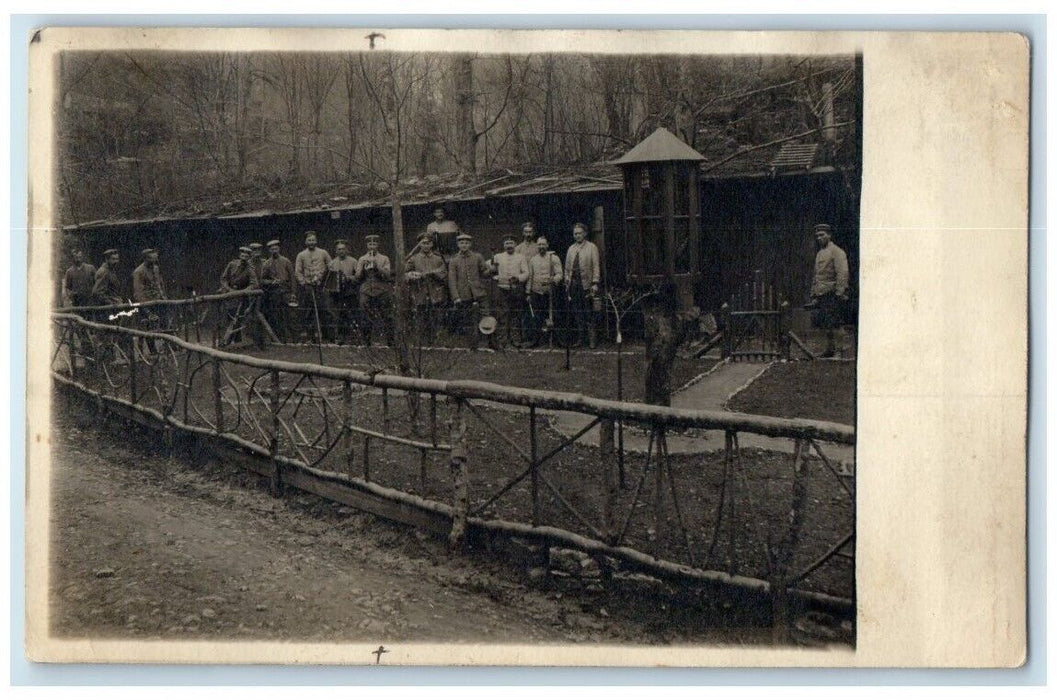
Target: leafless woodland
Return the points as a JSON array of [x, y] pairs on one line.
[[143, 133]]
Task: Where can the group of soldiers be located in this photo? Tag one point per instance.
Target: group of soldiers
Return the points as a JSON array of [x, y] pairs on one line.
[[84, 285], [335, 297], [511, 299]]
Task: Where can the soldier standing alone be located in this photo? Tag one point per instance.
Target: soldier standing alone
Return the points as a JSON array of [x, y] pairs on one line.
[[829, 289]]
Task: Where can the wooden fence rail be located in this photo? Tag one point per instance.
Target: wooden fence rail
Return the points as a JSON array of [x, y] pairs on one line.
[[294, 423]]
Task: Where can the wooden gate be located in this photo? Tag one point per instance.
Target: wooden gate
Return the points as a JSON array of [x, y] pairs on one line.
[[755, 323]]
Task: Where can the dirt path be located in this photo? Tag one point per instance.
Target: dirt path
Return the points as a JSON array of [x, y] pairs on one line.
[[149, 547]]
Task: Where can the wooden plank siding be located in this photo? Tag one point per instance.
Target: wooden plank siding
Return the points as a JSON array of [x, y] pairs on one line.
[[746, 224]]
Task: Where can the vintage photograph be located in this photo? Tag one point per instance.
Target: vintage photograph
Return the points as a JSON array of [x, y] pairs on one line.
[[389, 347]]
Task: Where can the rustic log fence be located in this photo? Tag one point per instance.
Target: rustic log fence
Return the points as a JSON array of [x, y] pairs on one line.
[[339, 433], [213, 319]]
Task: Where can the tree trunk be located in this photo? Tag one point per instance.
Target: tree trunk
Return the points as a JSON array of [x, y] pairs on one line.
[[465, 98], [400, 330], [661, 344], [666, 329]]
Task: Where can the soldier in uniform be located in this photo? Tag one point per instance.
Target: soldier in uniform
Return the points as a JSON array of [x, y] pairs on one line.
[[310, 269], [374, 274], [277, 280], [78, 281], [427, 277], [582, 279], [829, 287], [107, 287], [256, 261], [527, 247], [545, 274], [510, 270], [147, 285], [444, 231], [238, 275], [467, 271], [342, 290]]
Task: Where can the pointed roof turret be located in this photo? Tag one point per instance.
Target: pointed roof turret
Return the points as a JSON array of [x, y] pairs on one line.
[[661, 145]]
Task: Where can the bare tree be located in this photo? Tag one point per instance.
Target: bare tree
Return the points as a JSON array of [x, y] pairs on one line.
[[391, 82], [466, 99]]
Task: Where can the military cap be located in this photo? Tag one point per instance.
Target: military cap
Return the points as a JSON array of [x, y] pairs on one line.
[[110, 251], [147, 251], [425, 236], [245, 249], [464, 237], [823, 227], [372, 237], [255, 246], [340, 241], [272, 242]]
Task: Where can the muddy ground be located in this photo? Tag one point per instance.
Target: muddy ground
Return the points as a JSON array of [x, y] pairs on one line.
[[151, 547]]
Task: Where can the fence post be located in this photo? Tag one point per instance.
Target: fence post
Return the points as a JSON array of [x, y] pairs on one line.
[[728, 330], [346, 424], [186, 385], [218, 404], [658, 486], [783, 331], [606, 449], [534, 455], [70, 338], [460, 495], [366, 457], [783, 556], [276, 485], [133, 389]]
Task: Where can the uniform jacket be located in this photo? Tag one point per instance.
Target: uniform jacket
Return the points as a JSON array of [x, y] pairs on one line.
[[147, 283], [107, 287], [831, 271], [278, 273], [347, 270], [431, 288], [376, 281], [78, 282], [311, 265], [466, 274], [590, 268], [544, 271], [509, 266], [526, 250], [238, 275]]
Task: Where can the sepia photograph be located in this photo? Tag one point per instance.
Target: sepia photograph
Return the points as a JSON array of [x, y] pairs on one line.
[[382, 347]]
